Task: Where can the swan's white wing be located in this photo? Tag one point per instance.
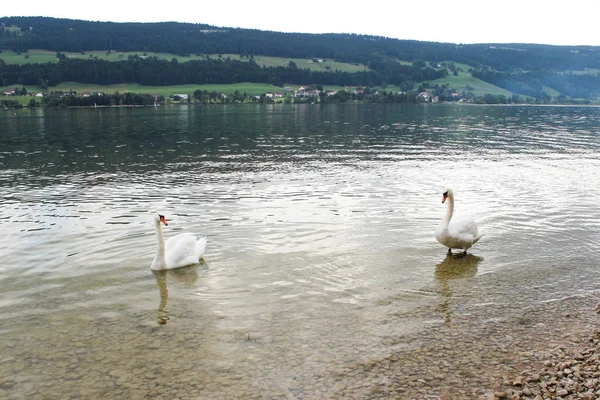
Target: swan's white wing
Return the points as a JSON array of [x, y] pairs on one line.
[[181, 250], [462, 233], [463, 226], [182, 237]]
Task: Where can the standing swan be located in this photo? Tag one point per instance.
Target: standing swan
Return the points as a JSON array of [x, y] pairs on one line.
[[456, 234], [179, 251]]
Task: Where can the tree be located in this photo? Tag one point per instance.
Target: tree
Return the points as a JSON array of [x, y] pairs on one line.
[[42, 84]]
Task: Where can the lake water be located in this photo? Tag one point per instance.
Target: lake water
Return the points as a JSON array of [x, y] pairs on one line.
[[321, 258]]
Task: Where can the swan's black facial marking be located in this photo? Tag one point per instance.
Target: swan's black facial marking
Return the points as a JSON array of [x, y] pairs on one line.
[[444, 196], [162, 219]]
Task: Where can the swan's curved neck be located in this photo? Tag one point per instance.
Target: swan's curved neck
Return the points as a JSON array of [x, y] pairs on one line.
[[159, 259], [449, 211]]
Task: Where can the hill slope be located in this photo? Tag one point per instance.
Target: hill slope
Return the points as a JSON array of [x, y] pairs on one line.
[[528, 69]]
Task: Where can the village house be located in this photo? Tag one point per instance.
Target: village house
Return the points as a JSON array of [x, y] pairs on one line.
[[424, 97]]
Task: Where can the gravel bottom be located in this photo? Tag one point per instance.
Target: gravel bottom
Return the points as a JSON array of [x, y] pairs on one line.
[[469, 350], [551, 353]]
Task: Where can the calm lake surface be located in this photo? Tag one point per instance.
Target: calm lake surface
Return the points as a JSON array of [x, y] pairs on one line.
[[320, 253]]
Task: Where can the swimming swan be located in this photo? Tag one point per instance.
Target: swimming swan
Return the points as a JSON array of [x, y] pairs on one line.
[[179, 251], [456, 234]]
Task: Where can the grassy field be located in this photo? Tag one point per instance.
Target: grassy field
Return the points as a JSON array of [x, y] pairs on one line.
[[251, 89], [587, 71], [302, 63], [479, 87], [24, 100], [550, 91], [460, 82], [43, 56], [32, 56], [464, 79]]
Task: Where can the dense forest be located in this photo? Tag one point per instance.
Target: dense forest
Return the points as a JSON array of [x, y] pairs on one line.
[[526, 69], [154, 72]]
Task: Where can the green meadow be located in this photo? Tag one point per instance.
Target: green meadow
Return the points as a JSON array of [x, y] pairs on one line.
[[587, 71], [465, 83], [464, 79], [44, 56], [32, 56], [460, 83], [248, 88], [251, 89], [23, 100], [324, 65]]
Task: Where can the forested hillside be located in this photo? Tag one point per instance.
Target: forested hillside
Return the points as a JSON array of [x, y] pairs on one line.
[[526, 69]]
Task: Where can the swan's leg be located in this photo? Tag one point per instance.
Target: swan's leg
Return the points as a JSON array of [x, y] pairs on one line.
[[450, 250]]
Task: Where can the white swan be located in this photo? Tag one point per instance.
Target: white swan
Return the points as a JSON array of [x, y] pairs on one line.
[[456, 234], [179, 251]]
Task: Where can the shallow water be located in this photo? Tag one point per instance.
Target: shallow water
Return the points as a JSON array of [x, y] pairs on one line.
[[320, 224]]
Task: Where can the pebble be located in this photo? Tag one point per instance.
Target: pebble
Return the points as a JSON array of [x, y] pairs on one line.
[[501, 359]]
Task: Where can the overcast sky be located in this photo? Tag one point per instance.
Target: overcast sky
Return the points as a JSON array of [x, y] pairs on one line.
[[559, 22]]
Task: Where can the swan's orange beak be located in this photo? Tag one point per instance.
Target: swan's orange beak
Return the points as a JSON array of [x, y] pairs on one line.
[[163, 220], [444, 197]]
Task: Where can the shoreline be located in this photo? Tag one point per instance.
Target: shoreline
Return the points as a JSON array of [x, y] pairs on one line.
[[292, 104], [552, 353]]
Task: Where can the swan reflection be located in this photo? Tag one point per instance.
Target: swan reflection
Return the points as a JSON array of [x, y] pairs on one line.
[[454, 267], [185, 276]]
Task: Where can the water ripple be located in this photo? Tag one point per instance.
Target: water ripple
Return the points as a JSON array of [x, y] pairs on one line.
[[316, 218]]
